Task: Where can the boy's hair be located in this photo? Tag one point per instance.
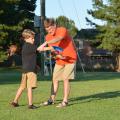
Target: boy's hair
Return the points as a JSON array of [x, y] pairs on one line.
[[28, 33], [49, 22]]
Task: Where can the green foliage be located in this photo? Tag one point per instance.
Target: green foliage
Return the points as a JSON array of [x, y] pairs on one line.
[[3, 56], [69, 24], [15, 15], [109, 12]]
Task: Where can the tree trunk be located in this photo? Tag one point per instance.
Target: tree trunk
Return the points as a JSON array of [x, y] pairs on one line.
[[118, 62]]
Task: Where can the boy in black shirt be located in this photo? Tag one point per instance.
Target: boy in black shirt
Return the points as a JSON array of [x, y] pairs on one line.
[[29, 77]]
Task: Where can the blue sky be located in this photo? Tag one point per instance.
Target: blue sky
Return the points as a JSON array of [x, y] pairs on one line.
[[73, 9]]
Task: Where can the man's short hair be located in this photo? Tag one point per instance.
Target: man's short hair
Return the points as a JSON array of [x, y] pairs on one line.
[[49, 22]]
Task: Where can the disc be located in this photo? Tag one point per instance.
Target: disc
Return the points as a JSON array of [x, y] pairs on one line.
[[57, 48]]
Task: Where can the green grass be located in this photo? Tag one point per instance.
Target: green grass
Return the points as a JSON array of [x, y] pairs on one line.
[[94, 96]]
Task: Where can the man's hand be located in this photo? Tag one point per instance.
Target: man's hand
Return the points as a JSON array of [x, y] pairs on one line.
[[41, 47]]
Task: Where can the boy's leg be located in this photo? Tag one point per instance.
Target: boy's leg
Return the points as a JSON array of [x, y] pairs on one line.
[[18, 94], [31, 84], [21, 88], [29, 96]]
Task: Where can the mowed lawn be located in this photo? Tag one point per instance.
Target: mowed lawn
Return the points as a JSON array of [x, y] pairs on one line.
[[94, 96]]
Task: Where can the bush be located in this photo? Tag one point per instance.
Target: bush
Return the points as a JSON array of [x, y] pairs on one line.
[[3, 56]]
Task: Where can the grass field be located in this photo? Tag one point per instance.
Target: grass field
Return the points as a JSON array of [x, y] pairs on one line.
[[94, 96]]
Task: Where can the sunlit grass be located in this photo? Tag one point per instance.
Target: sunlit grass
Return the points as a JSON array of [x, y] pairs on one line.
[[94, 96]]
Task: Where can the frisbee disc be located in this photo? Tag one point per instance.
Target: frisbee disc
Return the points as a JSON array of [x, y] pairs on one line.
[[56, 48]]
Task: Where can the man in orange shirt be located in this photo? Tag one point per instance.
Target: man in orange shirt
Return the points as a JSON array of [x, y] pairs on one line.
[[64, 68]]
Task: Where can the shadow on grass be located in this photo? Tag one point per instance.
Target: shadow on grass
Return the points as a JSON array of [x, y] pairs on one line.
[[90, 98]]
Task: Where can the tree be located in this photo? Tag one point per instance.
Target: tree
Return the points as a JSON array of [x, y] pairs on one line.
[[109, 12], [15, 15], [69, 24]]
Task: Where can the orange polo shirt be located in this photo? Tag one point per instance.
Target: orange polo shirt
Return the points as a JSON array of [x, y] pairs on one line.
[[68, 47]]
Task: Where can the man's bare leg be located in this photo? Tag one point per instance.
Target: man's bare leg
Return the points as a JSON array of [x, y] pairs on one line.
[[66, 90]]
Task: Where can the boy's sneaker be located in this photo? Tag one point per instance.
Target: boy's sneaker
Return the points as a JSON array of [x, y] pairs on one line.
[[32, 107], [15, 104]]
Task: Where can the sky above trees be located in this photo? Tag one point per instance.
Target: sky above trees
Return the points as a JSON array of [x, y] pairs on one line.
[[73, 9]]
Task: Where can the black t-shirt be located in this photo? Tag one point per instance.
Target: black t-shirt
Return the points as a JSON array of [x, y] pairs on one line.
[[29, 57]]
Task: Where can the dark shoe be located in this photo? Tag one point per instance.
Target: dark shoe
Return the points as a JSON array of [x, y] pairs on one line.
[[15, 104], [32, 107], [49, 102]]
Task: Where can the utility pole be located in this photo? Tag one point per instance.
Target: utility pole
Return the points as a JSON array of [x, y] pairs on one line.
[[42, 34]]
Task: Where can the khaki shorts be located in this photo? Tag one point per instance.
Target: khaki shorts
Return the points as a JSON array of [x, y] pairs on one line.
[[29, 80], [64, 72]]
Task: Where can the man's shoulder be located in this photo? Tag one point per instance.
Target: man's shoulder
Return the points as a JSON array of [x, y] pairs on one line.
[[60, 30], [47, 37]]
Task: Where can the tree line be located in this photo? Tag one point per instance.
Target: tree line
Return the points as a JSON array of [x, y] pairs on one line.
[[108, 11], [15, 15]]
